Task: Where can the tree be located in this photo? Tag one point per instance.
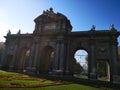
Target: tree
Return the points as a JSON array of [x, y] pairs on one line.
[[2, 46]]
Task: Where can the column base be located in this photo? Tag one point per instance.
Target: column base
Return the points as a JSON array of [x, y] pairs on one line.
[[116, 79], [11, 68], [68, 73], [4, 68], [31, 71], [93, 76], [0, 67], [58, 72]]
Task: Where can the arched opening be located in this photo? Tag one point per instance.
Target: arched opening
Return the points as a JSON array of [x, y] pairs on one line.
[[81, 64], [24, 59], [47, 60], [103, 70]]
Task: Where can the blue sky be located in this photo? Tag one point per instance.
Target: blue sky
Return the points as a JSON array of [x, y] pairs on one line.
[[19, 14], [80, 56]]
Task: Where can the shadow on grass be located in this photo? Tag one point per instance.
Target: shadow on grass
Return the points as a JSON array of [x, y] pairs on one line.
[[10, 79], [16, 80]]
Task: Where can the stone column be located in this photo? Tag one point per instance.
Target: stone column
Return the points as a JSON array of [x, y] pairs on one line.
[[67, 71], [61, 56], [34, 61], [3, 58], [114, 77], [92, 62], [11, 67], [57, 57], [36, 48]]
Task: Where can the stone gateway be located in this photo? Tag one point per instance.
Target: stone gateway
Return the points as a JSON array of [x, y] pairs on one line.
[[51, 47]]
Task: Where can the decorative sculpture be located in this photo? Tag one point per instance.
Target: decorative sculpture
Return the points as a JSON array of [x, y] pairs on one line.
[[112, 27], [93, 27], [9, 32]]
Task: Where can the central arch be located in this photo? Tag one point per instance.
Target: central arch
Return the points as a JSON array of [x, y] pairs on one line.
[[46, 60], [81, 63]]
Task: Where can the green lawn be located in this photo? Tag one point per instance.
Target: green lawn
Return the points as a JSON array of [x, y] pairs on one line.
[[16, 81], [58, 87], [9, 79]]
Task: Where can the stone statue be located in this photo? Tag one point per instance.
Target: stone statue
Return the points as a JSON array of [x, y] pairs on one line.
[[112, 27], [48, 12], [51, 10], [44, 12], [9, 32], [93, 27], [19, 32]]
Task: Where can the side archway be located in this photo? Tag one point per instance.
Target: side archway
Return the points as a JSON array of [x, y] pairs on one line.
[[46, 60], [24, 59], [103, 70]]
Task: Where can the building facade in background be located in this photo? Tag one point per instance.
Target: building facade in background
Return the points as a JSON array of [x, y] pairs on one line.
[[51, 47]]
